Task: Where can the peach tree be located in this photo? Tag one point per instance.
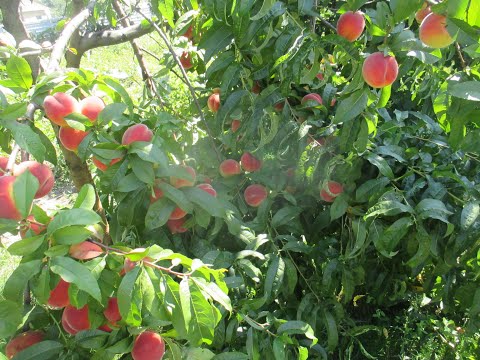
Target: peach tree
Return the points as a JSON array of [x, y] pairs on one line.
[[325, 171]]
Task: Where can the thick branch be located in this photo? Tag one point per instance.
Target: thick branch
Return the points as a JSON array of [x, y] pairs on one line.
[[12, 19]]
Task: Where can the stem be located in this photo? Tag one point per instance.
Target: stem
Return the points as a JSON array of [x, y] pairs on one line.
[[187, 80], [11, 159], [460, 55]]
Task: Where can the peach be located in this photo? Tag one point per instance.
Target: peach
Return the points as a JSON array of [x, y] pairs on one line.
[[85, 250], [3, 165], [60, 105], [214, 102], [128, 265], [379, 70], [179, 182], [319, 76], [91, 106], [112, 313], [59, 295], [103, 167], [8, 208], [236, 125], [43, 174], [71, 138], [176, 214], [137, 132], [208, 189], [312, 97], [279, 106], [331, 190], [186, 60], [157, 194], [256, 88], [33, 225], [148, 346], [176, 226], [250, 163], [189, 33], [423, 13], [75, 320], [350, 25], [105, 328], [433, 31], [255, 194], [22, 341], [229, 168]]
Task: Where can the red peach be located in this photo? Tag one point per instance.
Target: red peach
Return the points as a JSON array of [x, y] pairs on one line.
[[137, 132], [3, 165], [255, 194], [214, 102], [325, 196], [85, 250], [177, 213], [186, 60], [75, 320], [60, 105], [250, 163], [229, 168], [423, 13], [319, 76], [148, 346], [256, 88], [91, 106], [157, 192], [331, 190], [103, 167], [189, 33], [176, 226], [208, 189], [71, 138], [112, 313], [312, 97], [179, 182], [236, 125], [128, 265], [8, 209], [33, 225], [105, 328], [59, 295], [350, 25], [279, 106], [43, 174], [22, 341], [433, 31], [379, 71]]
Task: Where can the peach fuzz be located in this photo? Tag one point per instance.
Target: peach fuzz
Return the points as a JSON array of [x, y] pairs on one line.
[[85, 250], [208, 189], [423, 13], [250, 163], [103, 167], [22, 341], [59, 295], [180, 182], [379, 70], [137, 132], [43, 174], [8, 209], [214, 102], [433, 31], [350, 25], [71, 138], [91, 106], [111, 312], [312, 97], [229, 168], [75, 320], [255, 194], [176, 226], [58, 106], [148, 346]]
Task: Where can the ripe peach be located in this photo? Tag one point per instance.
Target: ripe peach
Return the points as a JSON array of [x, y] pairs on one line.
[[350, 25], [176, 226], [312, 97], [8, 209], [75, 320], [319, 76], [256, 88], [208, 189], [71, 138], [250, 163], [177, 213], [214, 102], [85, 250], [157, 194], [229, 168], [189, 33], [91, 106], [3, 165], [112, 313], [128, 265], [186, 60], [43, 174], [236, 125], [60, 105], [103, 167], [59, 295], [279, 106], [105, 328], [433, 31], [32, 224], [331, 190], [22, 341], [379, 71], [137, 132], [148, 346], [255, 194], [178, 182], [423, 13]]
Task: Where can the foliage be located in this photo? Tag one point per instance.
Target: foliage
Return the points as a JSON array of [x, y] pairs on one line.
[[305, 278]]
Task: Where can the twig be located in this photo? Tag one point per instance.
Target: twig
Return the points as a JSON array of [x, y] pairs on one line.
[[312, 20], [185, 76], [460, 55], [11, 159]]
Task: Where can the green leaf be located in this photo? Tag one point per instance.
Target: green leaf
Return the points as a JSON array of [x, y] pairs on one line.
[[129, 308], [297, 327], [402, 9], [339, 207], [384, 96], [231, 356], [214, 291], [216, 39], [10, 317], [17, 282], [381, 164], [424, 241], [86, 197], [274, 276], [74, 272], [351, 107], [24, 189], [111, 112], [26, 138], [177, 196], [470, 213], [285, 215], [71, 217], [71, 235], [19, 72], [185, 298], [266, 6], [432, 208], [468, 90], [143, 170], [390, 238], [388, 208], [26, 246], [206, 201], [43, 350], [166, 8], [158, 213], [332, 330]]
